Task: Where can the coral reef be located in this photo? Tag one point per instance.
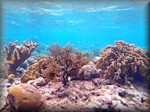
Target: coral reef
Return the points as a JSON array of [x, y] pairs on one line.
[[46, 67], [100, 86], [60, 63], [123, 62], [70, 63], [24, 97], [16, 55]]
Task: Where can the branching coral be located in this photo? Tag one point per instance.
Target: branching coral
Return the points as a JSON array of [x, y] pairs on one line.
[[70, 63], [123, 62], [46, 67], [16, 55]]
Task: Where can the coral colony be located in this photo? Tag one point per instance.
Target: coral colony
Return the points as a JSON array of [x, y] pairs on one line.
[[67, 80], [16, 55]]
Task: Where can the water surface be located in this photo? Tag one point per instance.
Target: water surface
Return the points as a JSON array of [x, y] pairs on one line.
[[85, 24]]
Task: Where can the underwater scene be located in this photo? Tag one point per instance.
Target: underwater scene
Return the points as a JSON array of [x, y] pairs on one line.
[[74, 56]]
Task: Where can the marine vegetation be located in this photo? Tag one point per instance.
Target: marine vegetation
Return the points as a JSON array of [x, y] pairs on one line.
[[16, 55], [69, 62], [124, 62], [60, 63]]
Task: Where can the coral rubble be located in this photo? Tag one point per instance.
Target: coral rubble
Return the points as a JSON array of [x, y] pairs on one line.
[[16, 55], [123, 62]]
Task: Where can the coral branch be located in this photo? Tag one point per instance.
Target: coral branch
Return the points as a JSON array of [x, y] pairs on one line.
[[9, 50], [16, 55]]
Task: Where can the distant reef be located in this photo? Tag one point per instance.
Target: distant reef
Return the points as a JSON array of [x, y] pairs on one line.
[[68, 80]]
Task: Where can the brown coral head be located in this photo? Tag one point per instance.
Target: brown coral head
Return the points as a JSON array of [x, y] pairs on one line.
[[24, 98]]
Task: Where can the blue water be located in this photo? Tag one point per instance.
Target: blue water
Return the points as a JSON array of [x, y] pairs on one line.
[[84, 24]]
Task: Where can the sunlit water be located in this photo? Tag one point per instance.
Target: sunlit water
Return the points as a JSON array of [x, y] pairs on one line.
[[86, 25]]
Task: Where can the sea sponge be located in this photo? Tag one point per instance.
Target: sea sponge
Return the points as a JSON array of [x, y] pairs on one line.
[[45, 67], [16, 55], [24, 97], [123, 62]]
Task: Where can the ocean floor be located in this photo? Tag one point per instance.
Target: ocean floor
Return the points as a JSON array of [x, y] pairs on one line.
[[92, 95]]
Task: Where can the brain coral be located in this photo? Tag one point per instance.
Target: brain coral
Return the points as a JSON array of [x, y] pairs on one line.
[[123, 62], [24, 98]]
